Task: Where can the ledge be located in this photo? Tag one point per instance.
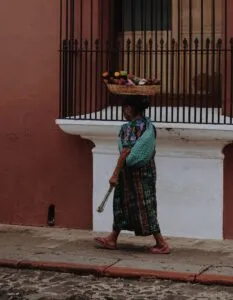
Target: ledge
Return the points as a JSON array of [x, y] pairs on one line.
[[94, 129]]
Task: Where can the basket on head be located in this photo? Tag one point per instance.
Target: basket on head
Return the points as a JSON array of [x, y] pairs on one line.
[[143, 90]]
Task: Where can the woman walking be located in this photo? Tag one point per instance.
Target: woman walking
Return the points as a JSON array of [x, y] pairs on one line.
[[134, 202]]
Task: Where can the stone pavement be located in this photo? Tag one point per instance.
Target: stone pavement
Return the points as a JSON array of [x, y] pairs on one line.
[[47, 285], [196, 261]]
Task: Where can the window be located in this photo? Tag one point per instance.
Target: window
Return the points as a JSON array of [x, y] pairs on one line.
[[147, 15]]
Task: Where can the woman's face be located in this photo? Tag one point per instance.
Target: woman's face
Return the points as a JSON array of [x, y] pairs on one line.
[[128, 112]]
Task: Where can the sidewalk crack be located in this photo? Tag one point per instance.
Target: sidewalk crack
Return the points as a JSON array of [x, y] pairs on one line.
[[111, 265], [202, 271]]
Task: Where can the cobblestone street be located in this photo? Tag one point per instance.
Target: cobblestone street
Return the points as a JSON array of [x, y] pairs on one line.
[[42, 285]]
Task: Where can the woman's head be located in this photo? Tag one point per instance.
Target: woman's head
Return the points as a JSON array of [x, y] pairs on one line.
[[134, 106]]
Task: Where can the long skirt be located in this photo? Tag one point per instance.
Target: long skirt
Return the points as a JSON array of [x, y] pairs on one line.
[[134, 202]]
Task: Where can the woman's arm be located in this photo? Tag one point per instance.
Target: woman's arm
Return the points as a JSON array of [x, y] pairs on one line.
[[120, 164]]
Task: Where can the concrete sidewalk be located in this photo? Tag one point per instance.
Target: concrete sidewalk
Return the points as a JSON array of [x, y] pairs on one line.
[[200, 261]]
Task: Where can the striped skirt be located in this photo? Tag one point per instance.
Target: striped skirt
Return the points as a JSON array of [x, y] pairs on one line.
[[134, 202]]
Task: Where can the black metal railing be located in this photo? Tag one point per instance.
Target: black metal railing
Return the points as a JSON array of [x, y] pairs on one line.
[[186, 44]]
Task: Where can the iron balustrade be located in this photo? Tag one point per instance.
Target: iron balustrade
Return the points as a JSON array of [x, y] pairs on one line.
[[185, 44]]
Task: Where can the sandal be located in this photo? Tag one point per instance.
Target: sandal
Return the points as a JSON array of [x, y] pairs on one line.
[[160, 250], [105, 243]]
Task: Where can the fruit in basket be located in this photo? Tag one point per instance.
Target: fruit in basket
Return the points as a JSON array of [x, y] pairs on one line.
[[149, 81], [105, 75], [122, 81], [114, 81], [117, 75], [111, 80], [143, 82], [127, 79], [135, 80], [129, 82], [156, 82], [124, 74]]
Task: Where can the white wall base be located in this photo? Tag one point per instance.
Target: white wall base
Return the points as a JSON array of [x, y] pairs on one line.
[[190, 196], [189, 169], [189, 191], [103, 165]]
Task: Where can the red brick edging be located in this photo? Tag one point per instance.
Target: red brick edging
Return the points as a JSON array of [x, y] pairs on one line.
[[112, 271]]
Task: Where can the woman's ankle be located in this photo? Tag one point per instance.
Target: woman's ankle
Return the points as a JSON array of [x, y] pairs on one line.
[[160, 241], [113, 236]]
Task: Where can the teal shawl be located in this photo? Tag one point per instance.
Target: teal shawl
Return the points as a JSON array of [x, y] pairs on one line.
[[144, 149]]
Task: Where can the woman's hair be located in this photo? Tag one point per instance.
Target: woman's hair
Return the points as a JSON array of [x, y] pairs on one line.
[[139, 103]]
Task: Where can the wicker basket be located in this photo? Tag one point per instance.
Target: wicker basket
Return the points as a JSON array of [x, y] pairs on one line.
[[144, 90]]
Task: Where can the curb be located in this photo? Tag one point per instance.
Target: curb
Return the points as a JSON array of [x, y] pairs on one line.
[[139, 273], [111, 271], [215, 279], [82, 269]]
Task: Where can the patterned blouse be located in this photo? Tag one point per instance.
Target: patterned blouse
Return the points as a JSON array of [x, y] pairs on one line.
[[131, 131]]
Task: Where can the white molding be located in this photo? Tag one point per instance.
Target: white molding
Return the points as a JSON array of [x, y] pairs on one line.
[[207, 138]]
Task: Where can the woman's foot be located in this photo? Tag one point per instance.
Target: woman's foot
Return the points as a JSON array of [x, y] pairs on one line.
[[160, 249], [106, 243]]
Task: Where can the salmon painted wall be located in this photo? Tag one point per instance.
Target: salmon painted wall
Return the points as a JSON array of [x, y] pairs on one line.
[[39, 165], [228, 193]]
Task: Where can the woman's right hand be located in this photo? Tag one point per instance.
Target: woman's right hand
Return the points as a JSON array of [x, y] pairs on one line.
[[113, 180]]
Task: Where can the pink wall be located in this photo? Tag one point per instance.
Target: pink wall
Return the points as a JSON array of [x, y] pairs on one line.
[[39, 164], [228, 193]]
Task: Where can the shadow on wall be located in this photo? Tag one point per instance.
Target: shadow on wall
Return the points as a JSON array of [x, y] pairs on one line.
[[228, 193]]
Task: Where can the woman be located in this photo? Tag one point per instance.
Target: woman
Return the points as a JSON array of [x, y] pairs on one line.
[[134, 203]]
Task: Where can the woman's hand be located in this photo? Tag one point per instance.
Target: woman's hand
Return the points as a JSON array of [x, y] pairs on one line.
[[113, 180]]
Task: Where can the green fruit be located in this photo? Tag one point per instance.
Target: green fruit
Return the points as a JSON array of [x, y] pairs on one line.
[[124, 73], [136, 80]]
